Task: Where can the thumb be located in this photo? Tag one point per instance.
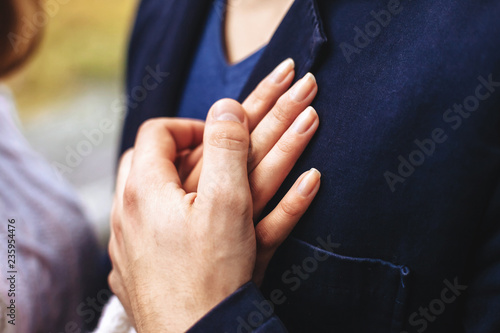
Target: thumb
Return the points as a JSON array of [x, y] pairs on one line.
[[224, 175]]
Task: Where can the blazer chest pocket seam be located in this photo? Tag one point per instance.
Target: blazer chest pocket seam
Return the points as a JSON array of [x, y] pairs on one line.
[[339, 290]]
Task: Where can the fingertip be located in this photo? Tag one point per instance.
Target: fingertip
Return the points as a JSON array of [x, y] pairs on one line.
[[304, 89], [227, 126], [282, 71], [316, 171], [307, 119], [313, 111], [310, 182], [228, 110], [310, 76]]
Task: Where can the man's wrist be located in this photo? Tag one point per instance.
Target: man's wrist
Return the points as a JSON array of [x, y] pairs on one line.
[[161, 313]]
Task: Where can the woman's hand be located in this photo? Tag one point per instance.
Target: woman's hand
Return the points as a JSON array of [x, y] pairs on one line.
[[275, 145], [175, 254]]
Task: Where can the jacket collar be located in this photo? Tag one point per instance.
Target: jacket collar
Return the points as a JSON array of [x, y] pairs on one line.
[[300, 36], [171, 41]]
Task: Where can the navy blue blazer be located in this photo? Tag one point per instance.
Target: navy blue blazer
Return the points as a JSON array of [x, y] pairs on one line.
[[404, 235]]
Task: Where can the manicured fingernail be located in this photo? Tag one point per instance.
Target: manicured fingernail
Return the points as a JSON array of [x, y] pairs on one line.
[[309, 182], [305, 120], [281, 72], [229, 113], [303, 88]]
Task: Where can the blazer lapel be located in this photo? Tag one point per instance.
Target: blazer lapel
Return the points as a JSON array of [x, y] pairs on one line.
[[169, 44], [164, 40], [300, 37], [181, 33]]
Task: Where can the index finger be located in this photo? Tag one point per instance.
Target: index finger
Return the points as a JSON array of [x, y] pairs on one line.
[[263, 98], [158, 142]]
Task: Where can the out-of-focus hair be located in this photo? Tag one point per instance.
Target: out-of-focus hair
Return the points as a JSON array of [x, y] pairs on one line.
[[19, 36]]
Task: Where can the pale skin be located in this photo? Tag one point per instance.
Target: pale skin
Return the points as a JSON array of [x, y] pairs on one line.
[[183, 236], [250, 24]]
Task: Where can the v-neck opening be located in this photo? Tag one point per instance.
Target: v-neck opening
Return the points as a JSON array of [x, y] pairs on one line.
[[222, 45]]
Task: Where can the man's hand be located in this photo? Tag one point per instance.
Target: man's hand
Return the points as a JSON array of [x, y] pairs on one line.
[[175, 254]]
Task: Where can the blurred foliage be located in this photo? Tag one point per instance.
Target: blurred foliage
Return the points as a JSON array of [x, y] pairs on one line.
[[84, 42]]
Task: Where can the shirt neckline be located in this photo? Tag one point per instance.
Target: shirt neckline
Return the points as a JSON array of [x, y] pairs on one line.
[[221, 49]]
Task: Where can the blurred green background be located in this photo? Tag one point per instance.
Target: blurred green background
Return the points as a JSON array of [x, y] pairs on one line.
[[84, 42]]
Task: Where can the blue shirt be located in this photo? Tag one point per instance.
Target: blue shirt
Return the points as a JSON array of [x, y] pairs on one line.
[[211, 77]]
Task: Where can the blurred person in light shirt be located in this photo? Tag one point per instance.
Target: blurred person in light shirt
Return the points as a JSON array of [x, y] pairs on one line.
[[58, 263]]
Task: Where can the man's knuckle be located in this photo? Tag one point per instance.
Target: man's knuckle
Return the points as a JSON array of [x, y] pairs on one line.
[[116, 227], [130, 194], [230, 201], [113, 282], [228, 141], [212, 191], [238, 199], [127, 155], [148, 125]]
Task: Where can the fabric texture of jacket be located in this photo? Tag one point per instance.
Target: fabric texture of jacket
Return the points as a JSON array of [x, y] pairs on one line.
[[404, 235]]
